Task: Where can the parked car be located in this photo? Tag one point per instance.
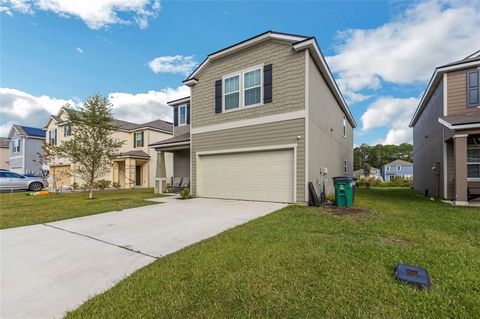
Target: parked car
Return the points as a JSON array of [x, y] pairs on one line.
[[11, 180]]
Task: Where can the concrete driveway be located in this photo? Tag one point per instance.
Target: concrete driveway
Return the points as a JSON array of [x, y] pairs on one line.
[[50, 268]]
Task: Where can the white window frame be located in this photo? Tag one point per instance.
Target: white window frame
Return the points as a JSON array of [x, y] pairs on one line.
[[344, 126], [180, 107], [399, 168], [241, 89], [65, 130], [16, 149], [474, 179], [135, 139], [50, 139]]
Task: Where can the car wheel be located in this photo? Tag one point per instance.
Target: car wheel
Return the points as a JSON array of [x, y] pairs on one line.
[[35, 186]]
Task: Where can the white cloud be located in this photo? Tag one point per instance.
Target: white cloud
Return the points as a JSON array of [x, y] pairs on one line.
[[79, 50], [145, 107], [173, 64], [22, 108], [393, 113], [18, 107], [407, 49], [95, 13]]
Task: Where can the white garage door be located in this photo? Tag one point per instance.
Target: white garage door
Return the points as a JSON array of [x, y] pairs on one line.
[[263, 176]]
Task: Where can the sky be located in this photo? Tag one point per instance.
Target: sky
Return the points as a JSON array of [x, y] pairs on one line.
[[137, 52]]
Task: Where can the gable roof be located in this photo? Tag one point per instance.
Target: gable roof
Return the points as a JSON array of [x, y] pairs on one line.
[[299, 43], [27, 131], [398, 162], [472, 60], [159, 125]]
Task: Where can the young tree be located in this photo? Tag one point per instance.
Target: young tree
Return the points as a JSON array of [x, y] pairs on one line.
[[48, 158], [92, 147]]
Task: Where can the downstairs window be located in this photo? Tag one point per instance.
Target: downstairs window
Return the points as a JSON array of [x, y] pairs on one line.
[[473, 157]]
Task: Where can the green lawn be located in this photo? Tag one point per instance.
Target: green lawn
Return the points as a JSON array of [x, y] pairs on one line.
[[304, 263], [19, 210]]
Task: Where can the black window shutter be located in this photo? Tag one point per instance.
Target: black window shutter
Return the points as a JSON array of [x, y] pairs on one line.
[[134, 139], [473, 88], [188, 113], [175, 116], [142, 139], [218, 96], [267, 83]]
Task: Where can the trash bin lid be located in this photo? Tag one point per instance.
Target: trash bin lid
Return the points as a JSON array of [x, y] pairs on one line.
[[343, 178]]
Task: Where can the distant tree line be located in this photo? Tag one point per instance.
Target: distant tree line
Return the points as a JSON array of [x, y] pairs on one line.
[[367, 156]]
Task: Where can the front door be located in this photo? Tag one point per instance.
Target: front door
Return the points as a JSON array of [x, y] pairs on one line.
[[138, 175]]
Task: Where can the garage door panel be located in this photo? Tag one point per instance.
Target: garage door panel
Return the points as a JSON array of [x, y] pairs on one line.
[[265, 175]]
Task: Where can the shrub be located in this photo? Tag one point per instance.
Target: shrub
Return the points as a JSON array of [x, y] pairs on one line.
[[116, 185], [102, 184], [169, 189], [396, 182], [185, 193], [75, 186]]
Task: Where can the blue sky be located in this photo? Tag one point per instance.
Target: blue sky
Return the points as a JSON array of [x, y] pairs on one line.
[[55, 52]]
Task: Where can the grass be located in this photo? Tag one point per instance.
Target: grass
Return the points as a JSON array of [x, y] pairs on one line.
[[17, 209], [302, 262]]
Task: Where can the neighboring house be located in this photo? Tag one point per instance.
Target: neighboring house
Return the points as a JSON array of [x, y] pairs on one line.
[[265, 118], [446, 132], [25, 148], [374, 173], [397, 168], [136, 163], [4, 152]]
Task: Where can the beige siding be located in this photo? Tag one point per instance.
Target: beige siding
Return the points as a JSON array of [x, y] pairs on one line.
[[288, 83], [4, 155], [179, 130], [181, 163], [277, 133], [328, 148], [457, 93]]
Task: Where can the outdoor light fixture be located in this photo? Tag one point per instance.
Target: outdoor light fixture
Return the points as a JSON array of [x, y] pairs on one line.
[[412, 275]]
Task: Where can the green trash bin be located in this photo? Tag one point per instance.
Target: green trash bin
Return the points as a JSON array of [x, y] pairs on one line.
[[343, 191]]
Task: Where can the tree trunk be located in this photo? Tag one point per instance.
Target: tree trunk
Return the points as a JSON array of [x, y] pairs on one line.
[[90, 196]]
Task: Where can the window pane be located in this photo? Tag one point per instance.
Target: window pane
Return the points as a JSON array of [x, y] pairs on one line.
[[473, 170], [183, 113], [473, 79], [232, 84], [473, 96], [231, 101], [252, 96], [473, 155], [252, 78]]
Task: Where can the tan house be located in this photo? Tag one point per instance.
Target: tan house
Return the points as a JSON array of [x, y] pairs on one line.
[[264, 119], [446, 133], [136, 163], [4, 153]]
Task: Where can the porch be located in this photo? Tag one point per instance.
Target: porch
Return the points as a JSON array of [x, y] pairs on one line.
[[131, 169], [179, 146]]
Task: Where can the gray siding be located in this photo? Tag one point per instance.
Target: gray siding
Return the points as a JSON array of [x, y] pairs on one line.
[[327, 145], [277, 133], [288, 83], [428, 145], [33, 147], [181, 163]]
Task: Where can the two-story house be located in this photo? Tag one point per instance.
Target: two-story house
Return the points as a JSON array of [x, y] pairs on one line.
[[264, 118], [25, 148], [446, 132], [135, 165], [373, 174], [397, 169], [4, 152]]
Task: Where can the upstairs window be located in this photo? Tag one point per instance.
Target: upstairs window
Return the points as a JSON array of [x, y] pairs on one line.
[[344, 127], [16, 145], [138, 139], [252, 86], [52, 136], [67, 130], [388, 168], [473, 90], [399, 168], [232, 92], [473, 158], [182, 115]]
